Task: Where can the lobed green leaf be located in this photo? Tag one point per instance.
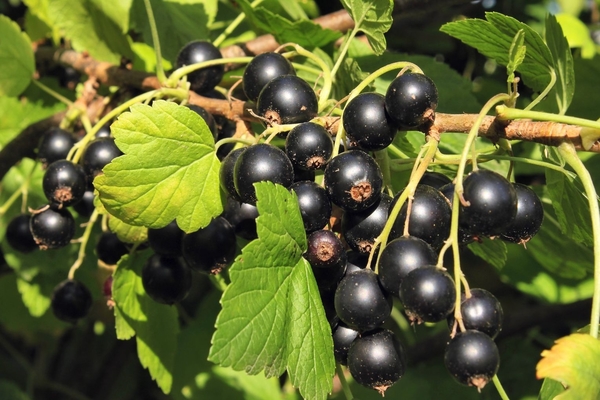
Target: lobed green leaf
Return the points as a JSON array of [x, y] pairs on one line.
[[169, 169], [563, 64], [272, 317], [374, 18], [154, 325], [16, 53]]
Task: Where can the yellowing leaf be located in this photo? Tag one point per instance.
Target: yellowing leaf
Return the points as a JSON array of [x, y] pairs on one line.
[[573, 361]]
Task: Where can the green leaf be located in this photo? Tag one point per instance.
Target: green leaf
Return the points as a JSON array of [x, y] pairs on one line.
[[563, 64], [572, 362], [516, 54], [16, 114], [89, 29], [303, 32], [493, 38], [128, 233], [550, 389], [177, 21], [494, 252], [18, 64], [155, 325], [374, 18], [9, 391], [169, 169], [577, 34], [571, 207], [272, 317]]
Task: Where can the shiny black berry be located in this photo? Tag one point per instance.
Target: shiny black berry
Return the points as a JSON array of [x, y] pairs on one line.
[[367, 123], [529, 217], [361, 302], [207, 117], [261, 162], [400, 257], [110, 249], [411, 100], [287, 99], [376, 360], [18, 234], [309, 146], [327, 257], [472, 358], [343, 336], [482, 312], [166, 240], [166, 279], [434, 179], [211, 248], [242, 216], [97, 154], [315, 206], [226, 172], [85, 207], [205, 79], [492, 203], [71, 301], [261, 70], [55, 145], [64, 183], [52, 228], [428, 294], [353, 180], [361, 228], [430, 217], [356, 261]]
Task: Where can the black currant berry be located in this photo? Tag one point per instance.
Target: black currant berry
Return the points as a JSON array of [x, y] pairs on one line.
[[226, 172], [18, 234], [529, 217], [327, 257], [207, 117], [434, 179], [242, 216], [353, 180], [52, 228], [309, 146], [97, 154], [360, 301], [64, 183], [104, 131], [85, 207], [198, 51], [430, 217], [361, 228], [166, 240], [367, 124], [315, 206], [482, 312], [411, 100], [166, 279], [55, 145], [400, 257], [211, 248], [356, 261], [71, 301], [261, 70], [428, 294], [492, 203], [261, 162], [343, 336], [472, 358], [376, 360], [110, 249], [287, 100]]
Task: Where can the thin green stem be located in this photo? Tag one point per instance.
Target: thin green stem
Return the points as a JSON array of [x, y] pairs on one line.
[[345, 387], [499, 388], [232, 140], [160, 72], [344, 50], [547, 90], [506, 113], [218, 281], [187, 69], [84, 240], [233, 25], [403, 324], [394, 150], [52, 93], [21, 191], [567, 150]]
